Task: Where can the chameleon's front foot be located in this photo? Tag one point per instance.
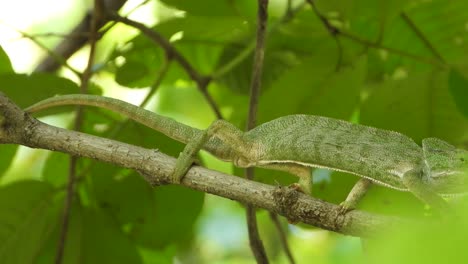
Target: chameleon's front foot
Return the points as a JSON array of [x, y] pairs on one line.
[[354, 196]]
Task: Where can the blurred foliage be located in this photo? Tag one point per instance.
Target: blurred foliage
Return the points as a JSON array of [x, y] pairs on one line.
[[398, 65]]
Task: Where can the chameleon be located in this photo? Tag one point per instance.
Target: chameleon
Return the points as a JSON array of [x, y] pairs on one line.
[[298, 143]]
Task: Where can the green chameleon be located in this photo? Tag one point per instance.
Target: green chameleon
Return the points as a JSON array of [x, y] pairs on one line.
[[297, 143]]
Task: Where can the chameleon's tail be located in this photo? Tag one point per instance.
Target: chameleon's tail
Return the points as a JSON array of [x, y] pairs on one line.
[[165, 125]]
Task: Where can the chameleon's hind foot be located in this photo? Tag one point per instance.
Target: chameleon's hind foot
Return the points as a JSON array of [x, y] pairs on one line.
[[187, 157], [304, 185], [300, 188], [183, 164], [297, 187], [355, 195], [345, 207]]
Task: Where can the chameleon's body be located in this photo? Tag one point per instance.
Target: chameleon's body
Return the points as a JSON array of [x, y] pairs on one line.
[[296, 143]]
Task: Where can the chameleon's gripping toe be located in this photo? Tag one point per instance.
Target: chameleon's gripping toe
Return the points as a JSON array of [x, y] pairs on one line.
[[187, 157], [345, 207], [183, 164], [300, 187]]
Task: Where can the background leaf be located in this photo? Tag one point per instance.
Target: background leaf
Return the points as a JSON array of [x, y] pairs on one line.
[[458, 85], [28, 89], [5, 64], [7, 153], [28, 212]]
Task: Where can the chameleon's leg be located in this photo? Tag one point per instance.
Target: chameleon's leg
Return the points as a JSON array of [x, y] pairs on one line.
[[225, 131], [305, 179], [302, 172], [243, 154], [413, 181], [355, 195], [187, 156]]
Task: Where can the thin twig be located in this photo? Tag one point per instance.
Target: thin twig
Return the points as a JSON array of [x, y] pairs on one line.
[[117, 126], [256, 243], [76, 39], [201, 80], [330, 28], [164, 44], [418, 32], [51, 53], [244, 54], [334, 31], [85, 77], [391, 50], [67, 47], [283, 238], [154, 87], [157, 82]]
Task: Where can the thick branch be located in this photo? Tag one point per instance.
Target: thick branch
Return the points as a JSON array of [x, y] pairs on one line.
[[16, 127]]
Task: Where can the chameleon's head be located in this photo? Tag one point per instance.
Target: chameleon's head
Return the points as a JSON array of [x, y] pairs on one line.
[[446, 167]]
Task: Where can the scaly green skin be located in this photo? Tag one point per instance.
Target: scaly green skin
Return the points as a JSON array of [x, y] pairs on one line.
[[298, 142]]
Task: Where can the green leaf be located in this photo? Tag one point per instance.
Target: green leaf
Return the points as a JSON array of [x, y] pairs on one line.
[[331, 186], [103, 240], [418, 105], [171, 217], [238, 78], [123, 195], [314, 87], [443, 26], [399, 244], [73, 250], [93, 237], [7, 153], [207, 7], [142, 60], [458, 85], [5, 64], [131, 72], [25, 90], [200, 43], [201, 29], [56, 169], [27, 214], [165, 256]]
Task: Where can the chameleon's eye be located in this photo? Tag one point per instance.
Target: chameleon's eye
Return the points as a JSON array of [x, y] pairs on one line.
[[462, 159]]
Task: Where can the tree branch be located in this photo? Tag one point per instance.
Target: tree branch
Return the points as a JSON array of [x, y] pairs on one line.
[[17, 127], [201, 80], [421, 36]]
